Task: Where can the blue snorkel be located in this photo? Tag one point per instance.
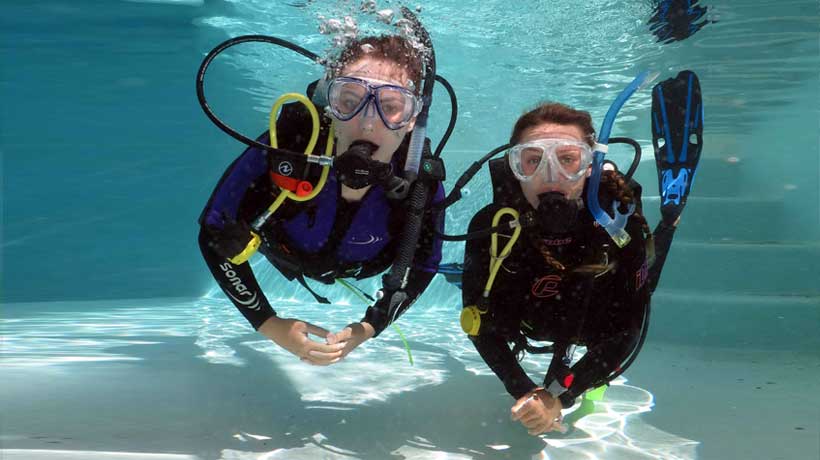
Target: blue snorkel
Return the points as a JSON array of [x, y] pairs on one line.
[[613, 226]]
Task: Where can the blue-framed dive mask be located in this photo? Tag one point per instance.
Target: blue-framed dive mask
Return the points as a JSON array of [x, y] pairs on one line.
[[396, 105], [553, 159]]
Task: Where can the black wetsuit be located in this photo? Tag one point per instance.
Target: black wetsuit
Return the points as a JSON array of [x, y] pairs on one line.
[[531, 298], [323, 239]]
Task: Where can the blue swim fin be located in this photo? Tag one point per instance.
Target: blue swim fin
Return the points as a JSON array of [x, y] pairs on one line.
[[674, 20], [677, 136]]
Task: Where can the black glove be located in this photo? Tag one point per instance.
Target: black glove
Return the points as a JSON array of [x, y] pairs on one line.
[[231, 239]]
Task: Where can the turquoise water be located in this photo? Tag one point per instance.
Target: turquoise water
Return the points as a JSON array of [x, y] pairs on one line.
[[115, 339]]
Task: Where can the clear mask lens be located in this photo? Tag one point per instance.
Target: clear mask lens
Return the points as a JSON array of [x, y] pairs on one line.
[[554, 159], [395, 105]]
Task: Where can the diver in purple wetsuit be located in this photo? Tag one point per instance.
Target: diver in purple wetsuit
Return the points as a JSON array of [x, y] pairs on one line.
[[353, 227]]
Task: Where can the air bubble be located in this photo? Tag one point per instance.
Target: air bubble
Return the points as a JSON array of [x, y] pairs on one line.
[[369, 6], [385, 16], [330, 26], [350, 24]]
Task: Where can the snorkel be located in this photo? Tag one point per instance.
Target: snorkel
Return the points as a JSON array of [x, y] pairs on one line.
[[613, 226]]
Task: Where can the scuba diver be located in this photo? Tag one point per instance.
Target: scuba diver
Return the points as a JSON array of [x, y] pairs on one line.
[[558, 268], [356, 225]]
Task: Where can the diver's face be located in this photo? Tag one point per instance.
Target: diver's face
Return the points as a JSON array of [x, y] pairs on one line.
[[367, 125], [538, 185]]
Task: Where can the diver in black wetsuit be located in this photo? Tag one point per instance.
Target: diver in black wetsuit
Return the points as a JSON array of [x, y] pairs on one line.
[[353, 227], [564, 280], [557, 267]]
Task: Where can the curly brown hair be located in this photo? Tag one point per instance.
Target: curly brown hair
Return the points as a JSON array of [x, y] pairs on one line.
[[389, 48]]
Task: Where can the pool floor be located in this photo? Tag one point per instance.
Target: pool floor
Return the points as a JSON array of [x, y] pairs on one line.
[[186, 379]]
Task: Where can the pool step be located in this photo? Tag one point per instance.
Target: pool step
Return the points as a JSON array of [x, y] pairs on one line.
[[725, 219], [745, 268], [754, 322]]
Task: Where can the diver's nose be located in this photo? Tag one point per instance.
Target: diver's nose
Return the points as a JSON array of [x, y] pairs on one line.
[[369, 117], [549, 173]]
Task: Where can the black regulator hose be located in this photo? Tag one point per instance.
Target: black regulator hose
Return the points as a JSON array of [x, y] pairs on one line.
[[635, 352], [636, 160], [200, 80], [467, 176], [455, 195], [453, 115]]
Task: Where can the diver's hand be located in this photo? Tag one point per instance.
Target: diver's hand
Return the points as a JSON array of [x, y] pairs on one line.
[[293, 336], [538, 411], [352, 336]]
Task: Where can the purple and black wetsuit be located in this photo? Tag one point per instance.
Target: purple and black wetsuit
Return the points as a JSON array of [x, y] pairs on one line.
[[323, 239]]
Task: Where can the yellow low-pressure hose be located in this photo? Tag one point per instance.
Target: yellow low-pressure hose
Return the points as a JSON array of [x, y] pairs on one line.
[[314, 137], [255, 242], [471, 315], [497, 259]]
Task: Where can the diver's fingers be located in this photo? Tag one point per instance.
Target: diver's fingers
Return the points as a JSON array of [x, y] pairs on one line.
[[521, 409], [559, 427], [324, 356], [315, 362], [532, 422], [316, 330], [322, 348], [341, 336], [540, 428], [323, 359]]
